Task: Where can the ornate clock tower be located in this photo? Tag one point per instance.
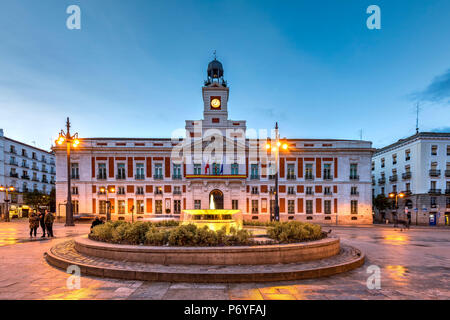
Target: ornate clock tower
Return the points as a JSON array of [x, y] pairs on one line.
[[215, 102]]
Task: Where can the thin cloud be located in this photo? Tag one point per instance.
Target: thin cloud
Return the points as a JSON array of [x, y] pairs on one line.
[[441, 130], [438, 91]]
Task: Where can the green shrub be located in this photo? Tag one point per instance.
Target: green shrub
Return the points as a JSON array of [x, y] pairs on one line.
[[102, 232], [294, 231], [157, 237], [167, 223]]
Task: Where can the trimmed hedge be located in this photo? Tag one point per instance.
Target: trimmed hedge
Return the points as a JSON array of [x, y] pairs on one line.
[[159, 234]]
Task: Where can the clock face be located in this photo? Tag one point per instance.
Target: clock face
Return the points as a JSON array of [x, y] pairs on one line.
[[215, 103]]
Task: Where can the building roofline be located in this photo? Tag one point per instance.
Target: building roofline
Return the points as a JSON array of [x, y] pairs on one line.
[[412, 138], [29, 146]]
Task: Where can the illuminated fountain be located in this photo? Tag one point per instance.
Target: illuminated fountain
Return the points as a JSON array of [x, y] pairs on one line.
[[214, 219]]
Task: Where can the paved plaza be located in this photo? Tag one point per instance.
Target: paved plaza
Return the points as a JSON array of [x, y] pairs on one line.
[[415, 264]]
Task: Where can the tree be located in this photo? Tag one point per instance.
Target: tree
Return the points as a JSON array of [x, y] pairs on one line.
[[381, 202], [36, 199]]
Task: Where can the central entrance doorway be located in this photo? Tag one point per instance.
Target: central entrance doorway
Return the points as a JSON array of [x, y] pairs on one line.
[[218, 198]]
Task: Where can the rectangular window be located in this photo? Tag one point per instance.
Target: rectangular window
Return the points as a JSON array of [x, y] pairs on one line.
[[327, 206], [448, 150], [197, 204], [354, 206], [309, 191], [75, 190], [140, 175], [327, 171], [354, 191], [408, 187], [158, 171], [291, 171], [158, 206], [177, 206], [407, 155], [121, 190], [176, 171], [235, 169], [140, 206], [354, 171], [197, 169], [176, 190], [291, 206], [309, 171], [382, 162], [434, 150], [327, 191], [254, 190], [447, 203], [101, 171], [75, 171], [75, 206], [291, 190], [139, 190], [309, 206], [121, 171], [216, 169], [255, 206], [121, 206], [235, 204], [394, 159], [102, 206], [254, 171]]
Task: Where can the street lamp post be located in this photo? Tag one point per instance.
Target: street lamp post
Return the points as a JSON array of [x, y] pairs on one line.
[[70, 140], [395, 195], [108, 203], [276, 150], [7, 190]]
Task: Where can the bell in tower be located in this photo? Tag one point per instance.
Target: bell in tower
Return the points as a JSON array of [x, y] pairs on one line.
[[215, 73]]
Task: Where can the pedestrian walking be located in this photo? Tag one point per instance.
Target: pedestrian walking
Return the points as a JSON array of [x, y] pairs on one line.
[[49, 218], [42, 222], [34, 224]]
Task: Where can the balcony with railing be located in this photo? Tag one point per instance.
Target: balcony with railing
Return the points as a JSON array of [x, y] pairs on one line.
[[393, 178], [35, 179], [13, 151], [120, 177], [177, 177], [101, 176], [13, 163], [14, 175], [25, 176], [139, 177], [327, 176], [176, 192], [44, 170], [291, 176], [254, 176], [158, 176], [25, 165], [406, 175], [44, 180], [309, 176], [447, 173], [35, 168], [381, 181], [434, 191], [309, 192], [158, 192], [447, 191], [435, 173], [75, 176], [354, 177]]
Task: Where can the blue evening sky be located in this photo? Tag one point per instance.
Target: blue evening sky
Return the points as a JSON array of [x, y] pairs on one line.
[[135, 69]]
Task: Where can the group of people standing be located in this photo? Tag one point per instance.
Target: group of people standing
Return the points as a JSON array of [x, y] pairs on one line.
[[45, 219]]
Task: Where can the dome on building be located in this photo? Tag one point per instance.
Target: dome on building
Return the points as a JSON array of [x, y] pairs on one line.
[[215, 69]]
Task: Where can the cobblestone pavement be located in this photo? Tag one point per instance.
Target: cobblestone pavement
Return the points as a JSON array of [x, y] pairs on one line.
[[415, 264]]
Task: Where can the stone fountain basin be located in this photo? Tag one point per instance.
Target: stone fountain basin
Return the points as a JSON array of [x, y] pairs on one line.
[[226, 255]]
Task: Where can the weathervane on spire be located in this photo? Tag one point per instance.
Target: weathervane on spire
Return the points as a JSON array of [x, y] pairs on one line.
[[215, 56]]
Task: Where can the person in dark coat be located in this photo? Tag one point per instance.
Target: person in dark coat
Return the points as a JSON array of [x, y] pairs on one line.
[[34, 224], [96, 222], [49, 218], [42, 223]]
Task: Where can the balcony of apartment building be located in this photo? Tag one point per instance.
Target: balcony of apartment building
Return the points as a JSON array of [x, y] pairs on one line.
[[13, 163], [44, 180], [12, 150], [177, 176], [447, 173], [434, 173], [35, 168], [254, 176], [158, 176], [393, 178], [434, 191], [101, 176], [309, 176], [406, 175], [44, 170], [25, 165], [14, 174], [327, 176], [25, 177], [354, 177], [139, 176], [35, 179], [381, 181], [291, 176], [177, 192], [75, 176], [327, 192]]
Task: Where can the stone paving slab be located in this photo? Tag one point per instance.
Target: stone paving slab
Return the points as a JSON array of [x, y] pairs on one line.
[[65, 254], [414, 264]]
